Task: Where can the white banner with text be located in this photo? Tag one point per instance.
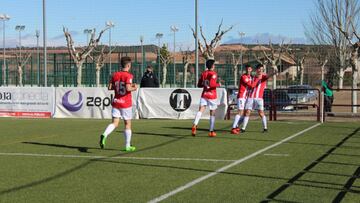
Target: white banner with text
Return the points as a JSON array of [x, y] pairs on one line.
[[174, 103], [29, 102], [85, 102]]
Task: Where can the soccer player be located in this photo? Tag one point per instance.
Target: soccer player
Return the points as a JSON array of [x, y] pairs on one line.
[[208, 97], [121, 83], [256, 100], [246, 84]]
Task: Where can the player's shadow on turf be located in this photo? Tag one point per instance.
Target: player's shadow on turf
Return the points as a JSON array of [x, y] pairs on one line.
[[79, 148], [198, 129], [162, 135]]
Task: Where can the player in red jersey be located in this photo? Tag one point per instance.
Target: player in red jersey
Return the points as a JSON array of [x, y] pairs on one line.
[[121, 83], [208, 97], [256, 100], [246, 84]]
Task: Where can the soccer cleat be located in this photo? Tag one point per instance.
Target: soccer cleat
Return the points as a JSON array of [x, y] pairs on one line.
[[242, 130], [235, 131], [102, 141], [212, 134], [265, 130], [130, 149], [193, 130]]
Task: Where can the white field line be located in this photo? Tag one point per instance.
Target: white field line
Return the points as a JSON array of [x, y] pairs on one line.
[[276, 155], [222, 169], [116, 157]]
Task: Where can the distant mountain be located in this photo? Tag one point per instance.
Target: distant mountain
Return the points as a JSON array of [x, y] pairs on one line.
[[263, 38]]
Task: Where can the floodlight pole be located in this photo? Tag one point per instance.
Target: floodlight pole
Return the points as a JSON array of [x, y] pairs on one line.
[[241, 52], [4, 17], [110, 24], [37, 34], [142, 53], [44, 42], [159, 36], [196, 43], [174, 29]]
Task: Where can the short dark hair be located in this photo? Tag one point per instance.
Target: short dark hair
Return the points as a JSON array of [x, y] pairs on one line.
[[247, 65], [125, 60], [149, 67], [259, 66], [210, 63]]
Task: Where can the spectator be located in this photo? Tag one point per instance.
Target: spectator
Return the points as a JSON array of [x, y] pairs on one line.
[[327, 88], [149, 79]]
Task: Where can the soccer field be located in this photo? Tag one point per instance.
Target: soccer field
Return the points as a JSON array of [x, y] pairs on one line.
[[58, 160]]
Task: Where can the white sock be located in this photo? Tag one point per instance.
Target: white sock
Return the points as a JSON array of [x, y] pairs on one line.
[[241, 120], [236, 121], [197, 118], [109, 129], [245, 122], [127, 134], [263, 119], [212, 123]]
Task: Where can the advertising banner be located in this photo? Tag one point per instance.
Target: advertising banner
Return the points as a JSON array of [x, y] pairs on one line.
[[176, 103], [86, 102], [29, 102]]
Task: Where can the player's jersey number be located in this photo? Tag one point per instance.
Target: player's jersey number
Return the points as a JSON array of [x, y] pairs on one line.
[[206, 83], [120, 88]]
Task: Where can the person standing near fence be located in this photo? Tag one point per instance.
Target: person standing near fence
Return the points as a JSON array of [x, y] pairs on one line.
[[246, 84], [149, 79], [121, 83], [328, 95], [208, 81]]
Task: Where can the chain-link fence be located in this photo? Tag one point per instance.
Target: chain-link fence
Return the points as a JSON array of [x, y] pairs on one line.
[[62, 71]]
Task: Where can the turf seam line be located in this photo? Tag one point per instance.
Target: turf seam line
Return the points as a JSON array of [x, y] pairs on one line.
[[119, 157], [222, 169]]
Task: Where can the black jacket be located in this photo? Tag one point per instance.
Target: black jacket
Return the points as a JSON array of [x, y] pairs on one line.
[[149, 80]]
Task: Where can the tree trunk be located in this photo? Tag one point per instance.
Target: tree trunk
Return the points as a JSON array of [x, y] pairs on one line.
[[79, 74], [235, 75], [274, 67], [342, 64], [341, 77], [164, 75], [301, 73], [355, 79], [185, 73], [20, 75], [98, 68]]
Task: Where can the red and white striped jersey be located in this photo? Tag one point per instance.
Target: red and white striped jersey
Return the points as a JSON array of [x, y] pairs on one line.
[[259, 87], [245, 86]]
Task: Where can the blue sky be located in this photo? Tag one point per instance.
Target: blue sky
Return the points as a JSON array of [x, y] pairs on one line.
[[259, 19]]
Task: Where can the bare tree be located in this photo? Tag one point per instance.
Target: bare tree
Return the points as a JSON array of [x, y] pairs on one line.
[[273, 57], [354, 59], [207, 50], [299, 56], [235, 61], [99, 58], [322, 28], [186, 55], [79, 55], [21, 62], [165, 59]]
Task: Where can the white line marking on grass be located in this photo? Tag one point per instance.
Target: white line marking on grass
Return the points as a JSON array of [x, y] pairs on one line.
[[200, 179], [276, 155], [116, 157]]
